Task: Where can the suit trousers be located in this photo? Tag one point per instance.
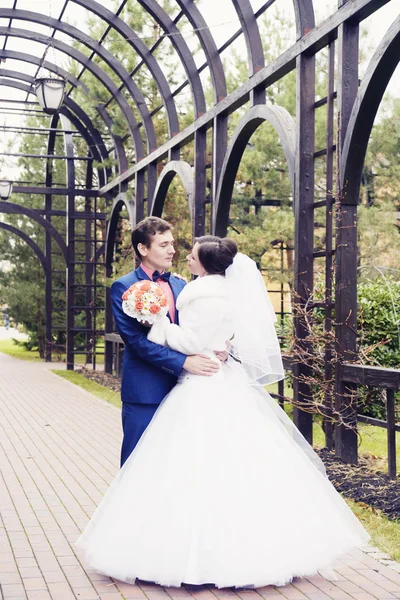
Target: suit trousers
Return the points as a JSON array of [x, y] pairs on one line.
[[135, 419]]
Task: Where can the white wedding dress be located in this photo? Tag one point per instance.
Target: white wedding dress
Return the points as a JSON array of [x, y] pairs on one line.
[[217, 490]]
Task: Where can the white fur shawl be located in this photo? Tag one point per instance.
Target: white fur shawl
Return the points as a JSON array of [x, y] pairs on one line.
[[204, 318]]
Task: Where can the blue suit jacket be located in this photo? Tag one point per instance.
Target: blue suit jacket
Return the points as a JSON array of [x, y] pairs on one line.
[[149, 370]]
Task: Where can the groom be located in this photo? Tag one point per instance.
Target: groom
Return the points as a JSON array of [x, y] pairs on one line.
[[149, 370]]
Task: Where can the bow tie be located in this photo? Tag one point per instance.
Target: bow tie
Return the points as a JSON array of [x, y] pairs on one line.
[[164, 276]]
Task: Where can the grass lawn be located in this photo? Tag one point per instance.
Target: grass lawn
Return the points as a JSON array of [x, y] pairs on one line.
[[80, 359], [12, 349], [385, 534], [91, 386], [372, 443], [8, 347]]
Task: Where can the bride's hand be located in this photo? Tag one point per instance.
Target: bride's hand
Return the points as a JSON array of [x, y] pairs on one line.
[[222, 355]]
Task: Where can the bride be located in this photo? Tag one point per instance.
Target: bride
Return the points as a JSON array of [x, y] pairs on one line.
[[222, 488]]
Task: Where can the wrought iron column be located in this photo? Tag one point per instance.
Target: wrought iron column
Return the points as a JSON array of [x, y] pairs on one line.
[[70, 229], [219, 147], [49, 275], [90, 267], [199, 216], [346, 252], [304, 234], [328, 425]]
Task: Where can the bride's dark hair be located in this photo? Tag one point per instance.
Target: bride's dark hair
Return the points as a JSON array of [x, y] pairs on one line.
[[216, 254]]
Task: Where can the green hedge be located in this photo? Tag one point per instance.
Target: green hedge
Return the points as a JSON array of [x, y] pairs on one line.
[[379, 324]]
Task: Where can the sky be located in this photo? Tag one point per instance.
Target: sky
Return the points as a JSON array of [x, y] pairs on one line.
[[219, 15]]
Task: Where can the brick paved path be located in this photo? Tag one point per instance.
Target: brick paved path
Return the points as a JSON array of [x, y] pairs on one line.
[[59, 450]]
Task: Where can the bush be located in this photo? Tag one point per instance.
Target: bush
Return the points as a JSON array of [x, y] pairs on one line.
[[32, 343], [378, 341], [379, 324]]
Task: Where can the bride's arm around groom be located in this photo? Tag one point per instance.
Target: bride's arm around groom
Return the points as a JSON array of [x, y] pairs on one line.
[[204, 319]]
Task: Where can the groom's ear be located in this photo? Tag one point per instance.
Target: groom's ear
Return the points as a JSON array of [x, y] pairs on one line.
[[142, 249]]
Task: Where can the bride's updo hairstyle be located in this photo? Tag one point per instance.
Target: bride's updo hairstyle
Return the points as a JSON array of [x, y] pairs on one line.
[[216, 254]]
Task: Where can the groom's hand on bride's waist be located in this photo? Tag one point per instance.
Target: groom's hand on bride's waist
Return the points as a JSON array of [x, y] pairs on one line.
[[200, 364]]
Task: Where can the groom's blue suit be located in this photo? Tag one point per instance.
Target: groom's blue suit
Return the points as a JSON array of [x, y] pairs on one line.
[[149, 370]]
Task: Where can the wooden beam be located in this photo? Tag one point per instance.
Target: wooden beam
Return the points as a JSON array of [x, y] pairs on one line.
[[381, 377]]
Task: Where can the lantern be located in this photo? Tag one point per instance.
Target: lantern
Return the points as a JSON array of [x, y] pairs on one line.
[[50, 93], [5, 189]]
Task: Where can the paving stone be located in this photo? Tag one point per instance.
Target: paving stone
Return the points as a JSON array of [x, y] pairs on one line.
[[30, 572], [86, 594], [39, 595], [12, 590], [35, 583]]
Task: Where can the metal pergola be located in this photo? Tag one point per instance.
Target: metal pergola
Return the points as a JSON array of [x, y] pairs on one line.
[[354, 103]]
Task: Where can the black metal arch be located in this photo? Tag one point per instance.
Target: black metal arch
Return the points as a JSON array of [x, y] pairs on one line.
[[87, 131], [248, 21], [111, 61], [373, 86], [285, 127], [29, 58], [91, 66], [16, 209], [142, 50], [304, 15], [183, 50], [35, 60], [171, 169], [90, 134], [29, 241], [119, 202], [209, 46], [118, 144]]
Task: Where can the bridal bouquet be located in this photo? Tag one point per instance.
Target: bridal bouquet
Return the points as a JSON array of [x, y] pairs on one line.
[[145, 301]]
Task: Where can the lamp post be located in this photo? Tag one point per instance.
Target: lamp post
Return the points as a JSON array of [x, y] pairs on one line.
[[50, 93], [5, 189]]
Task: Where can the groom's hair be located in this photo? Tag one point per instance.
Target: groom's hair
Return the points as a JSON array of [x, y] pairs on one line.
[[216, 254], [145, 230]]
